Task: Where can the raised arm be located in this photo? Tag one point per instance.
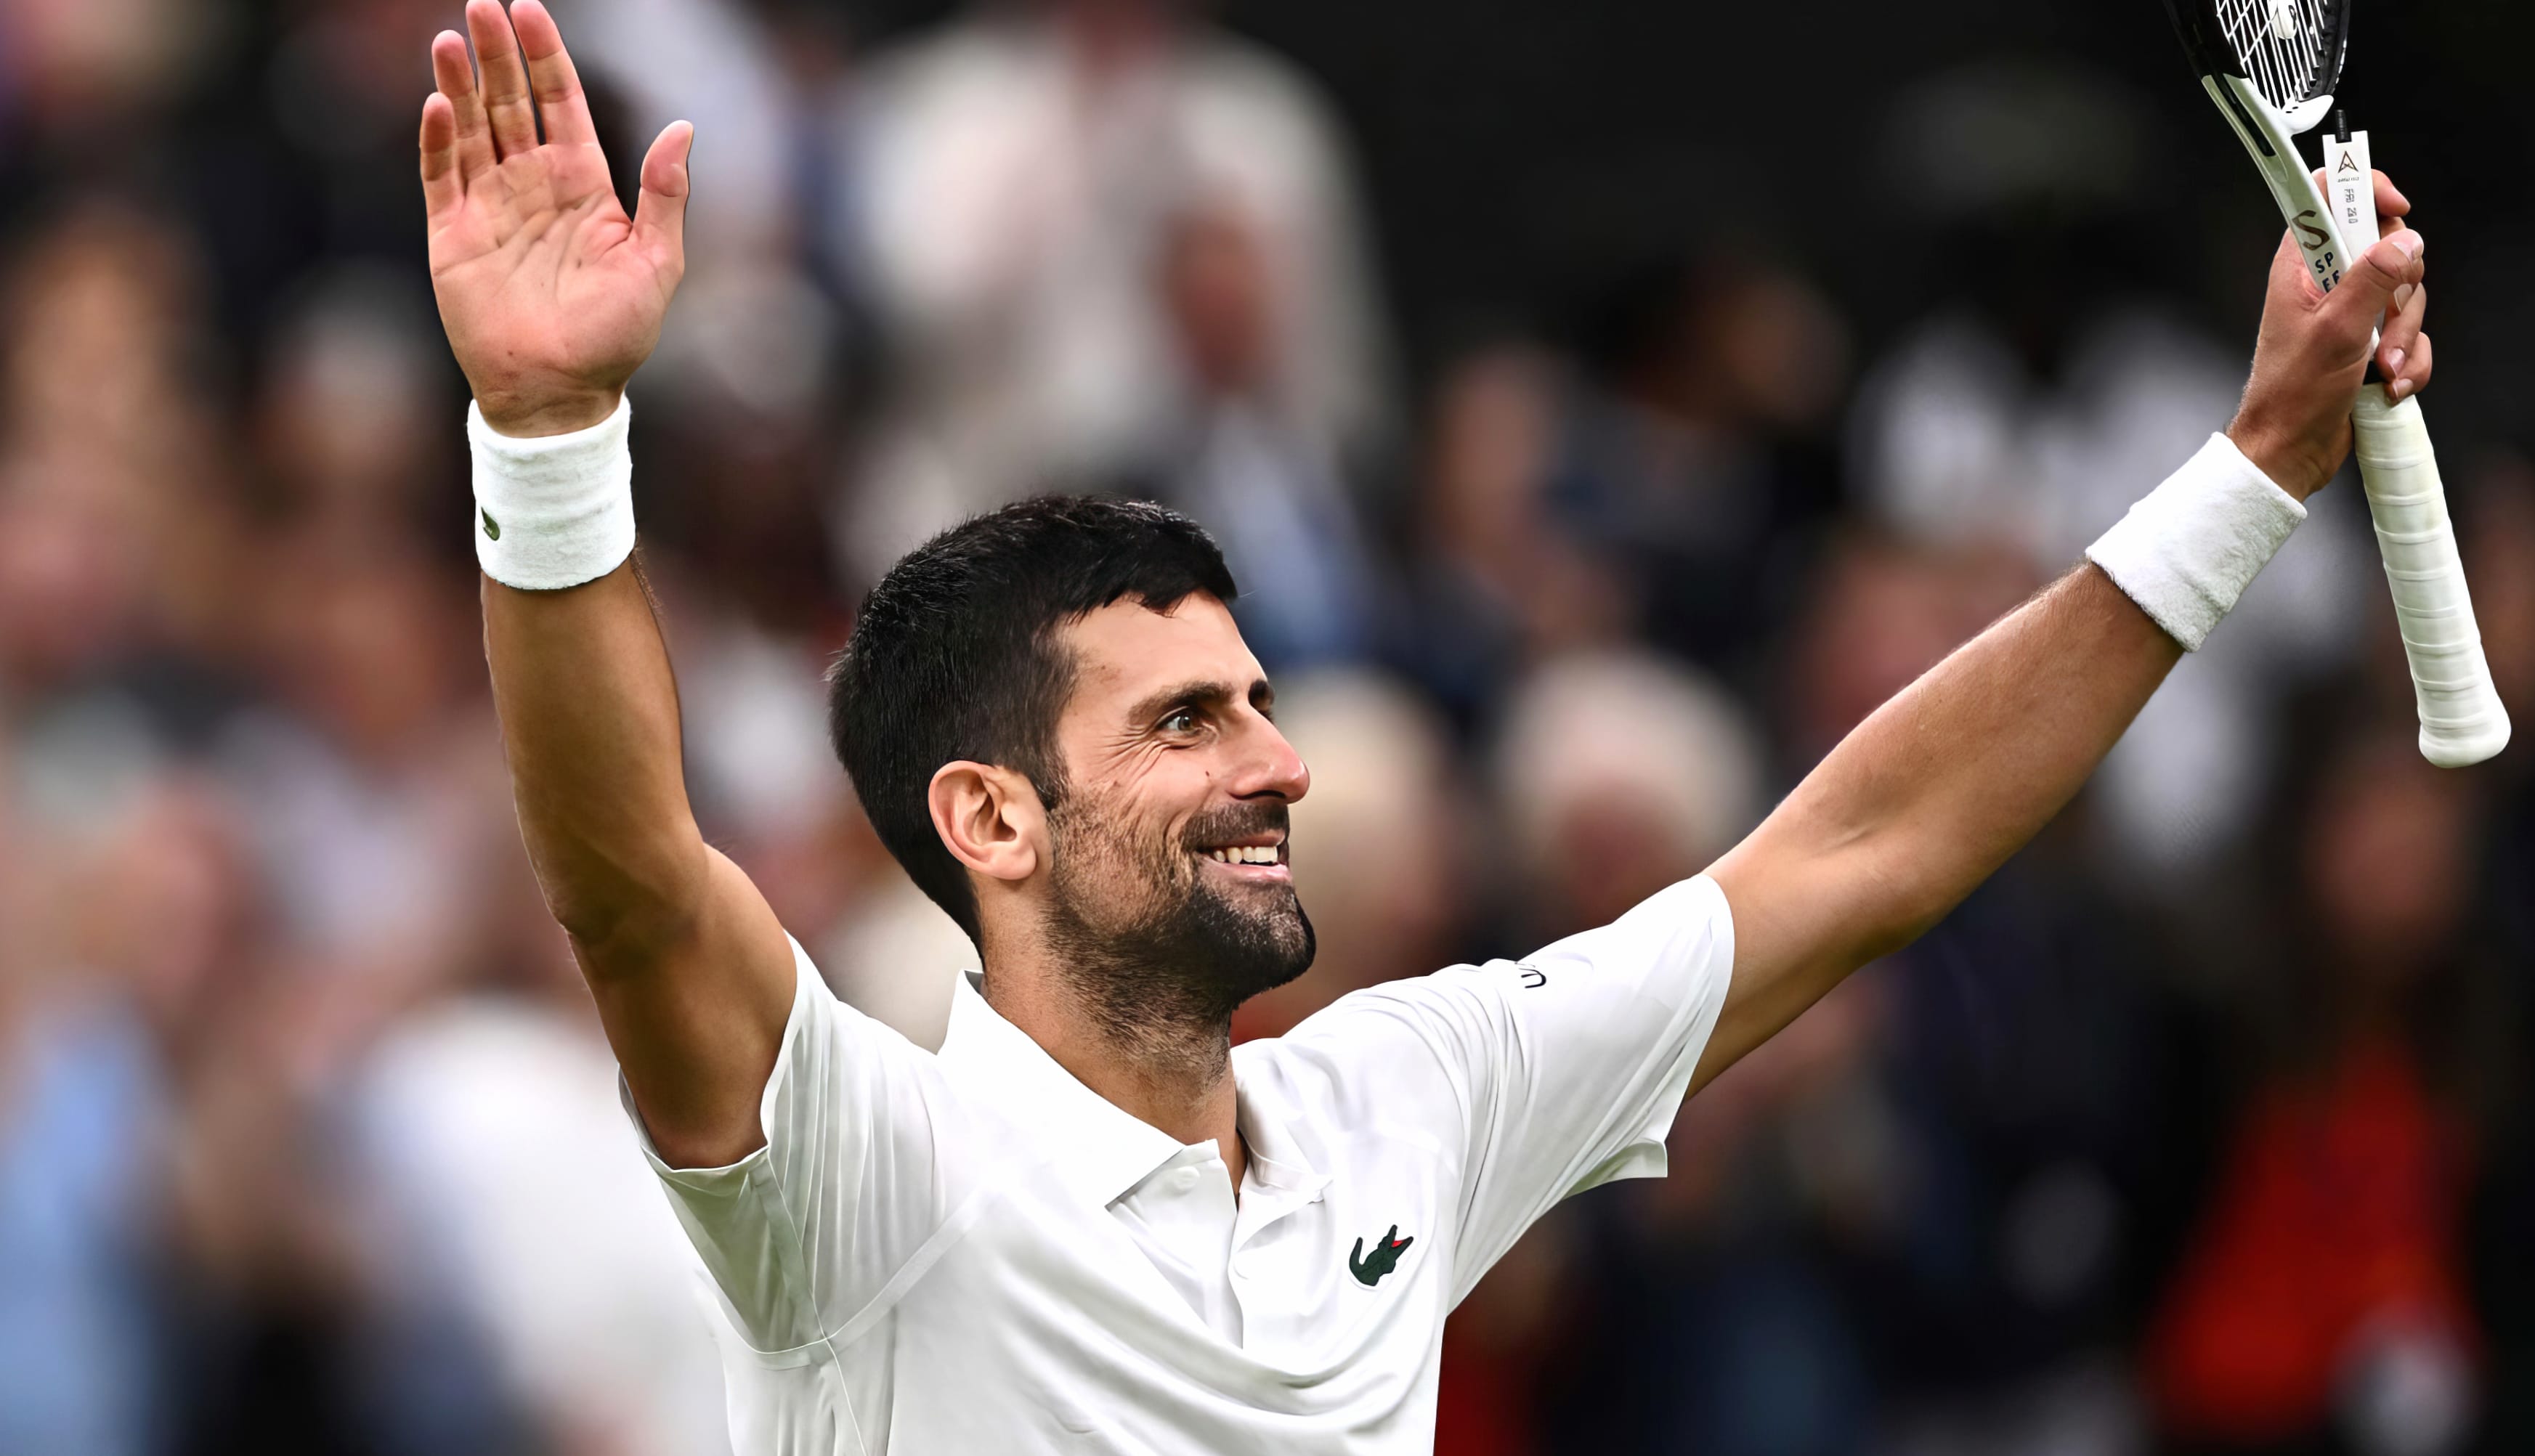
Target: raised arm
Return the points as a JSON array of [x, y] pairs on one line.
[[552, 298], [1931, 794]]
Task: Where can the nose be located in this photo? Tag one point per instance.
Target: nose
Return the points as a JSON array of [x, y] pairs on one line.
[[1271, 766]]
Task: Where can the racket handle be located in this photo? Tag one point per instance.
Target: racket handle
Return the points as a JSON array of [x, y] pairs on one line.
[[2462, 720]]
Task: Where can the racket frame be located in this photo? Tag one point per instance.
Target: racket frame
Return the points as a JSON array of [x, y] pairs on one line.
[[2269, 133], [2269, 136]]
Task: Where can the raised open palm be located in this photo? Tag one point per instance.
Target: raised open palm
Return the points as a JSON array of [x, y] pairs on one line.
[[551, 295]]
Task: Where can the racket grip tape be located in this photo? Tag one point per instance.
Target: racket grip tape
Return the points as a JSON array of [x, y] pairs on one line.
[[2462, 720]]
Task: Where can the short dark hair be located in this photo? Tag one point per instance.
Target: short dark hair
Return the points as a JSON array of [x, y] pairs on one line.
[[954, 655]]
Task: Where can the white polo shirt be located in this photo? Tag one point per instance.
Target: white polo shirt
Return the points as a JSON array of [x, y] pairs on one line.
[[970, 1251]]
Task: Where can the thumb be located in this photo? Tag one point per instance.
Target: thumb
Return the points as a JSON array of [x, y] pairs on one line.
[[2368, 286], [660, 213]]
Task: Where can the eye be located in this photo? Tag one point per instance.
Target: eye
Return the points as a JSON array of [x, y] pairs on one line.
[[1178, 720]]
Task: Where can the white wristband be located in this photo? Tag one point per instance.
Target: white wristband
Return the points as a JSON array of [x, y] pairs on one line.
[[2189, 549], [554, 510]]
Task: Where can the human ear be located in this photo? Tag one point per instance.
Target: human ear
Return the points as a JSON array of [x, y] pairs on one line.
[[989, 818]]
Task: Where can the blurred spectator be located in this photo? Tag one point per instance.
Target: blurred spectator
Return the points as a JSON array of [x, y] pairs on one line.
[[76, 70], [298, 159], [2498, 533], [103, 352], [372, 772], [74, 607], [1618, 775], [2001, 1181], [716, 63], [1694, 459], [1878, 613], [1495, 582], [2322, 1303], [187, 1280], [116, 564], [1672, 489], [2496, 527], [353, 429], [1267, 480], [78, 1133], [2498, 536], [506, 1181], [1025, 172], [1703, 1312], [2029, 1103]]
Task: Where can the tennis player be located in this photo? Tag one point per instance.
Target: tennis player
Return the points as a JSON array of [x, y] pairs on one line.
[[1087, 1223]]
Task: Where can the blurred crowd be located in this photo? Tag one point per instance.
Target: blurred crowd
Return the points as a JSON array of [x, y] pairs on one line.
[[2204, 1127]]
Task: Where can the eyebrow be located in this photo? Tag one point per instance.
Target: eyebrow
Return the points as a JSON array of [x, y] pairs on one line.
[[1204, 694]]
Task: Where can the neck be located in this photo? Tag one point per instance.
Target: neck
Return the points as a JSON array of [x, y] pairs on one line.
[[1150, 1054]]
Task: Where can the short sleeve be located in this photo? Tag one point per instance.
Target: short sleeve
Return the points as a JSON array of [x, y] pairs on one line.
[[1558, 1073], [802, 1236]]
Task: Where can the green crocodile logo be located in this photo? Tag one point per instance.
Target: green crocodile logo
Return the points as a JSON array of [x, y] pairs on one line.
[[1386, 1258], [492, 527]]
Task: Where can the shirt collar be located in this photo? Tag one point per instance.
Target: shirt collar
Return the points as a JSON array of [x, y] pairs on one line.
[[1100, 1150], [1097, 1148]]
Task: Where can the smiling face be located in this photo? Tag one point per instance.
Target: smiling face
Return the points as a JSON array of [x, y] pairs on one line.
[[1169, 891]]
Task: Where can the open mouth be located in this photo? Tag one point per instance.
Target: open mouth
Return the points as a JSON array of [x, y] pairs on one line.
[[1262, 861], [1248, 854]]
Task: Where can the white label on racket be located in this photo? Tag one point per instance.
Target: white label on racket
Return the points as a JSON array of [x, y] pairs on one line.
[[2352, 187]]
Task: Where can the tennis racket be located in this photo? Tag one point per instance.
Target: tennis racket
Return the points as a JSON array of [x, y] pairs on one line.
[[2272, 67]]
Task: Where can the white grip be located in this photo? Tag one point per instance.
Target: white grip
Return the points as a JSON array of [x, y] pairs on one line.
[[2462, 720]]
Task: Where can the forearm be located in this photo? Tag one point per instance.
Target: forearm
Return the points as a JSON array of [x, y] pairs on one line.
[[1944, 783], [1931, 794], [589, 720], [1934, 792], [1927, 797]]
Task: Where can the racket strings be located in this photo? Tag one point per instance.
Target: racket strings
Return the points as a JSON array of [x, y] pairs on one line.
[[2280, 44]]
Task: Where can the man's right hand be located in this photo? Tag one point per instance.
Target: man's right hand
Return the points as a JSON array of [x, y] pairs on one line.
[[551, 295], [2294, 422]]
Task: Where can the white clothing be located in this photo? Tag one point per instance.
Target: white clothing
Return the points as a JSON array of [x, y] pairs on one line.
[[971, 1251], [495, 1143]]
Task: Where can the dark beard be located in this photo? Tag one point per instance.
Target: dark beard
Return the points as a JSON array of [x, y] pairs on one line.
[[1164, 984]]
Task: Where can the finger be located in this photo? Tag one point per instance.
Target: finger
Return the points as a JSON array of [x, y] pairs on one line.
[[2390, 203], [2402, 325], [506, 80], [2368, 287], [660, 213], [561, 105], [441, 187], [2416, 372], [455, 75], [2289, 270]]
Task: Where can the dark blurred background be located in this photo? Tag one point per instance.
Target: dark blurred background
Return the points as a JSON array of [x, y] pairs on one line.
[[1604, 406]]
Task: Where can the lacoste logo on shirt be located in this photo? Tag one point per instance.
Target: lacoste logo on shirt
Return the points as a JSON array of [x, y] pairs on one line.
[[1386, 1258], [492, 528]]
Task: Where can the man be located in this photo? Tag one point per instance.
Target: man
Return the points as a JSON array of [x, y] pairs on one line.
[[1087, 1223]]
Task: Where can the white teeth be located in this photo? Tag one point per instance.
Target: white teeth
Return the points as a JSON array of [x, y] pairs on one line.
[[1246, 854]]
